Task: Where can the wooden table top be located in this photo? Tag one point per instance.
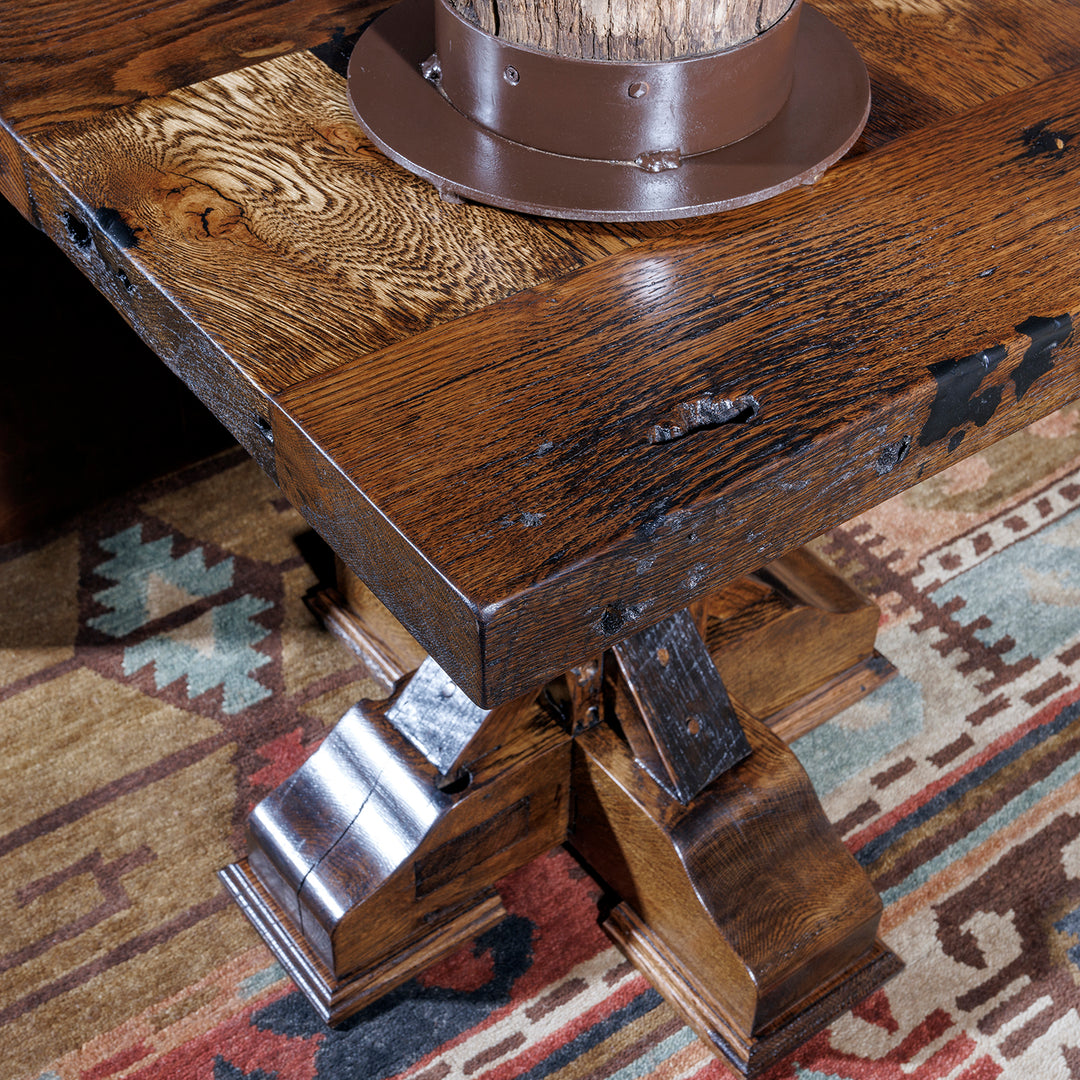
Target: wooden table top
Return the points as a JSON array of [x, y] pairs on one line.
[[466, 402]]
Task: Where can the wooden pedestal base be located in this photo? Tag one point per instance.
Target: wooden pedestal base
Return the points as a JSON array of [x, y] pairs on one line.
[[337, 999], [794, 643], [746, 1056], [724, 882]]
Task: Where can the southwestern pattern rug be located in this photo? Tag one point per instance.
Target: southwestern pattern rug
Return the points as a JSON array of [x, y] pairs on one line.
[[159, 674]]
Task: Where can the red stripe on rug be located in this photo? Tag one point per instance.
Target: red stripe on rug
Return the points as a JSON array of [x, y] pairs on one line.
[[511, 1070]]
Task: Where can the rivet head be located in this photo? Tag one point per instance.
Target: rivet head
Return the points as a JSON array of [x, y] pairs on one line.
[[638, 89], [510, 74]]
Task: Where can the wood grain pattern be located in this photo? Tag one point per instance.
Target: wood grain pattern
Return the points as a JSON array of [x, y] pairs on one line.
[[929, 60], [63, 61], [624, 29], [805, 626], [907, 331], [278, 237], [748, 886], [365, 850], [747, 1054], [673, 708], [335, 999], [224, 180]]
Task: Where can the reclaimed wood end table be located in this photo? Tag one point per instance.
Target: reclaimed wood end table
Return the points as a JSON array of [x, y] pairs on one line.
[[509, 431]]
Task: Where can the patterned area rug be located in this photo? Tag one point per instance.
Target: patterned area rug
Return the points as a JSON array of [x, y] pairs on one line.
[[159, 674]]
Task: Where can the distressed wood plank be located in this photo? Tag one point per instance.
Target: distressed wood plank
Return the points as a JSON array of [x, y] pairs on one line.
[[929, 60], [925, 299], [63, 61], [280, 234]]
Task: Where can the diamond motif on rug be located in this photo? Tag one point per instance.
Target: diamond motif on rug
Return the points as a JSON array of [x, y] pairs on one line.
[[151, 583], [213, 650]]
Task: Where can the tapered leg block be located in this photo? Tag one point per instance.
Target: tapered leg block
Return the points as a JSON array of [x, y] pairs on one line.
[[743, 907], [369, 864]]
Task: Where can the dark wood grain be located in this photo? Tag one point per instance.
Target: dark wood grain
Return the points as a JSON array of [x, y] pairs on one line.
[[63, 61], [366, 851], [749, 898], [254, 247], [804, 626], [904, 332], [929, 60], [335, 999], [673, 708], [222, 184]]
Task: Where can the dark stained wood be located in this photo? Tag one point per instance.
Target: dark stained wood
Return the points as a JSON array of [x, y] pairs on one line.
[[624, 29], [367, 851], [745, 901], [791, 654], [829, 698], [300, 251], [54, 360], [906, 333], [992, 47], [462, 402], [64, 61], [354, 614], [673, 708], [740, 903], [779, 635], [336, 999], [747, 1055]]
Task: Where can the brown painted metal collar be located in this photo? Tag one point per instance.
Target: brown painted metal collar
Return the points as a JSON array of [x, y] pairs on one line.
[[606, 140]]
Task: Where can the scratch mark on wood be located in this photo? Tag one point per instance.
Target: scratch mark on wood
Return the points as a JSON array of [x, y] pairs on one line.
[[702, 413], [892, 455]]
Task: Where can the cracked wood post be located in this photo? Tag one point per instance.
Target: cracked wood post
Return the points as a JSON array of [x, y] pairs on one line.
[[624, 29]]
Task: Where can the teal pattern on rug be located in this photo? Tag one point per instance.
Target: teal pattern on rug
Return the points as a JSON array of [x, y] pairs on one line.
[[131, 567], [222, 656]]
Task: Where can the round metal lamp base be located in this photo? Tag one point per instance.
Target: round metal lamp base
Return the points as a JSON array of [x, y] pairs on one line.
[[411, 122]]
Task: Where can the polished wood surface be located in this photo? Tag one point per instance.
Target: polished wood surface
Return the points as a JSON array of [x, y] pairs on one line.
[[793, 644], [725, 884], [902, 334], [66, 61], [533, 440], [746, 896], [371, 294], [369, 846]]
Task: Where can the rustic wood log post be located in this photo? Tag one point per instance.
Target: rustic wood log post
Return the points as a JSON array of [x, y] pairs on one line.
[[625, 29]]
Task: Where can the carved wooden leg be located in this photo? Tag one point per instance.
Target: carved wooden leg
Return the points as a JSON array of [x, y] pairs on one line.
[[377, 857]]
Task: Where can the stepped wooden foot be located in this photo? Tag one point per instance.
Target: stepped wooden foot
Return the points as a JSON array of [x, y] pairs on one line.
[[724, 882], [378, 855], [742, 907], [333, 998]]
